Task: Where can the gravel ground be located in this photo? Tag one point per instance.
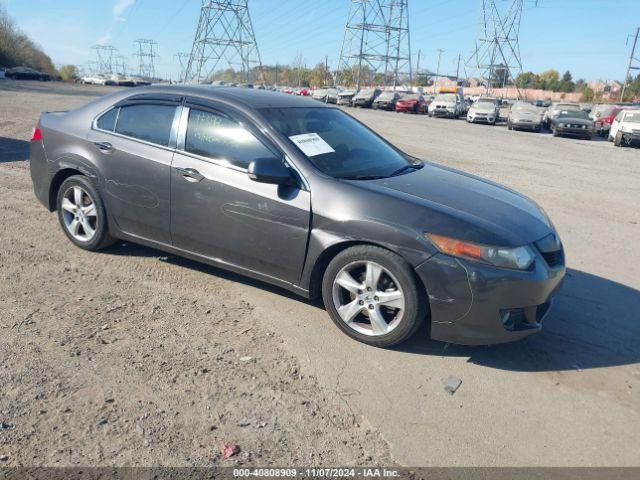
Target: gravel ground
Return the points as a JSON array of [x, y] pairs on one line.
[[133, 357]]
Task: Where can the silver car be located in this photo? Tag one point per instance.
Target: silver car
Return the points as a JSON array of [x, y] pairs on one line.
[[524, 116]]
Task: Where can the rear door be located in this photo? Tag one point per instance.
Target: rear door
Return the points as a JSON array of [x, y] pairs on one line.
[[217, 211], [133, 144]]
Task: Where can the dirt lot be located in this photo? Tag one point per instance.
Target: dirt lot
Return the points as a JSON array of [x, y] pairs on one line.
[[135, 357]]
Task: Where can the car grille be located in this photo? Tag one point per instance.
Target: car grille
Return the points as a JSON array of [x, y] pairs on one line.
[[551, 250], [553, 259], [576, 126]]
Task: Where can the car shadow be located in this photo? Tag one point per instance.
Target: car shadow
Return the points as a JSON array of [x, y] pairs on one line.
[[132, 249], [594, 323], [13, 150]]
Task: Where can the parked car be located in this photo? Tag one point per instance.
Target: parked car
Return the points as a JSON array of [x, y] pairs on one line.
[[386, 100], [572, 123], [303, 92], [412, 103], [345, 98], [604, 119], [446, 105], [26, 73], [554, 110], [524, 116], [484, 110], [364, 98], [225, 176], [625, 128], [319, 94], [333, 94]]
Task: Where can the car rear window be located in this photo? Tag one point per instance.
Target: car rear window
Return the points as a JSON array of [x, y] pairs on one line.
[[151, 123], [108, 120], [218, 137]]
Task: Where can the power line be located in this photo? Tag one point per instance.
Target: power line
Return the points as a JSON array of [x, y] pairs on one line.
[[224, 34], [376, 40], [496, 56]]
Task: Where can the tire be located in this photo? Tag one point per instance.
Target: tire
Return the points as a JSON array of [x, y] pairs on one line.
[[96, 219], [397, 278], [555, 132], [618, 140]]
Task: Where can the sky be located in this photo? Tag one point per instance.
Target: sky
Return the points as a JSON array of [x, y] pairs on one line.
[[588, 37]]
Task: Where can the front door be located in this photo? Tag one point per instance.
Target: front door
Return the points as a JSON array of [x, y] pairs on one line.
[[217, 211]]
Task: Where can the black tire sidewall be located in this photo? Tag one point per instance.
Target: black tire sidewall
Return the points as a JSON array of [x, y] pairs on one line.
[[415, 303], [101, 237]]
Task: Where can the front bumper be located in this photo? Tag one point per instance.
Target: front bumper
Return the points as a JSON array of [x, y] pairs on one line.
[[385, 105], [524, 125], [442, 112], [481, 118], [476, 304], [574, 132]]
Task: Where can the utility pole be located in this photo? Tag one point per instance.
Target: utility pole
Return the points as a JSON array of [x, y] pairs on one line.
[[418, 66], [224, 34], [326, 69], [376, 38], [630, 66], [458, 69], [440, 52], [276, 80], [496, 56], [146, 55]]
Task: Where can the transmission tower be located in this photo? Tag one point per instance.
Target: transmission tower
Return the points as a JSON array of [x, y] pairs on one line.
[[183, 60], [496, 56], [634, 64], [146, 57], [120, 64], [224, 36], [105, 58], [376, 41]]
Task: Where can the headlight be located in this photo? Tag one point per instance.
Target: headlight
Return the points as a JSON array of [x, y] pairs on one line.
[[519, 258]]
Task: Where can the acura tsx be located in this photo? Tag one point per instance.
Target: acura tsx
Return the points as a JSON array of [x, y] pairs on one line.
[[299, 194]]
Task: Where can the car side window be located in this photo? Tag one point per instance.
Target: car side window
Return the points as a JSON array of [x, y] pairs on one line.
[[151, 123], [108, 120], [218, 137]]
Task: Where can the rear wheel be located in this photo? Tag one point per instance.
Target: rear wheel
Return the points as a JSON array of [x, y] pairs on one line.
[[82, 214], [372, 295]]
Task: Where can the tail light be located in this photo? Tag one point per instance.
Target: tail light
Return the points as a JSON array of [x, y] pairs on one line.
[[36, 135]]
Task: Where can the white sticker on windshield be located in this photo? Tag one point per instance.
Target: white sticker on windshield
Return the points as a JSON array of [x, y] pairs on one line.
[[312, 144]]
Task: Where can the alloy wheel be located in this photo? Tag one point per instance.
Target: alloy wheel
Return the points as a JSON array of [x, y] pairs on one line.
[[368, 298], [79, 213]]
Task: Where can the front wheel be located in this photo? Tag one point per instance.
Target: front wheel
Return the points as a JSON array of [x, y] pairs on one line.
[[618, 140], [82, 214], [372, 295]]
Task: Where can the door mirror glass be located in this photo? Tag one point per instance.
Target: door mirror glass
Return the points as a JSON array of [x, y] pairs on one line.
[[269, 170]]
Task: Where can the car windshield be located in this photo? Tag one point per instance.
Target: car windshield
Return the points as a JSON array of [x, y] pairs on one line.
[[524, 108], [446, 97], [573, 114], [485, 103], [566, 106], [411, 96], [365, 93], [387, 96], [337, 144], [632, 117]]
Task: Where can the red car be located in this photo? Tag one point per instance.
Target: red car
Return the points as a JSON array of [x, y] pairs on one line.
[[604, 121], [412, 103]]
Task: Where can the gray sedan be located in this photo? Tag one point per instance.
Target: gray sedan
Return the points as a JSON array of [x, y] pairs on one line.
[[524, 116], [299, 194]]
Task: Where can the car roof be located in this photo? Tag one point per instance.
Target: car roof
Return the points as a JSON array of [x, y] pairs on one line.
[[251, 98]]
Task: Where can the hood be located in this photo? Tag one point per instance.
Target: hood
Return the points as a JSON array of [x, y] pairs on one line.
[[526, 114], [574, 121], [483, 108], [462, 206]]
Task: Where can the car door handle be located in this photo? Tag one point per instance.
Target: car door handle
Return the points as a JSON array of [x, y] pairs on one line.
[[105, 147], [190, 174]]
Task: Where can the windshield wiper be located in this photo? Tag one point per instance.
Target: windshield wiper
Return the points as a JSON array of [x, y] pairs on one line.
[[410, 166], [364, 177]]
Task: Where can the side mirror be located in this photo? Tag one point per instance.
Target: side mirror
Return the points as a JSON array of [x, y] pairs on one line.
[[269, 170]]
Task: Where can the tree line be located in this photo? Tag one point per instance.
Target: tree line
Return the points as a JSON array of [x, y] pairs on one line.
[[16, 49]]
